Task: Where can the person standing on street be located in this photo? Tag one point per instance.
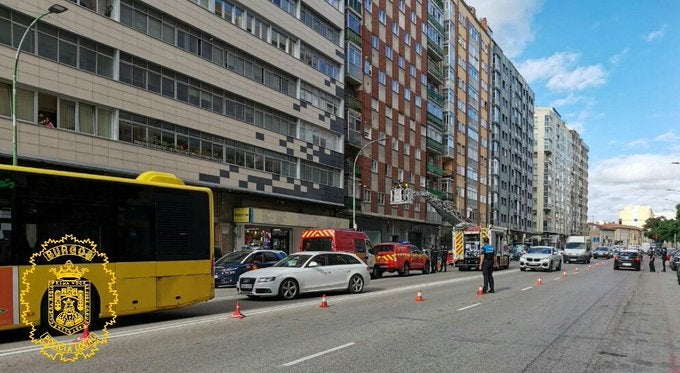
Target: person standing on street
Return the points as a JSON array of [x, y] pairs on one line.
[[445, 253], [663, 253], [486, 259], [651, 261]]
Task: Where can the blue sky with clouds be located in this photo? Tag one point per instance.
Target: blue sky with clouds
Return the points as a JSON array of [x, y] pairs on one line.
[[610, 68]]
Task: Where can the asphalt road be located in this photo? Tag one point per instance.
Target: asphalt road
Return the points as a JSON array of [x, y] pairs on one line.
[[596, 320]]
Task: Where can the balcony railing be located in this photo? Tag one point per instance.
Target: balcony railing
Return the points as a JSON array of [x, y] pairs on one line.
[[435, 121], [353, 103], [434, 50], [353, 36], [435, 71], [440, 3], [435, 146], [436, 25], [353, 74], [434, 169], [435, 96]]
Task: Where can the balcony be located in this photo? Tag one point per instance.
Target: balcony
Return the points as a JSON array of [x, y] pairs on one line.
[[435, 96], [353, 138], [435, 146], [439, 3], [436, 122], [434, 169], [355, 5], [437, 193], [353, 103], [353, 36], [353, 74], [436, 25], [434, 71], [434, 51], [348, 203]]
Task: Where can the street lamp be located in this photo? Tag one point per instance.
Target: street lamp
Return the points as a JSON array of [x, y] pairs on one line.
[[54, 9], [354, 182]]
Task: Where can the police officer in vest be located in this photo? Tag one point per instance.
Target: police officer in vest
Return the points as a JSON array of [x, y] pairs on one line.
[[662, 254], [486, 259]]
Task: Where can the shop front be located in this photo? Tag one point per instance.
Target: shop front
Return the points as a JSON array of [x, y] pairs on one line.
[[277, 230]]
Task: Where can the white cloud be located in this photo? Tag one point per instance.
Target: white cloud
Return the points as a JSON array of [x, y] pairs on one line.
[[640, 179], [510, 21], [668, 137], [658, 34], [571, 99], [616, 59], [560, 73]]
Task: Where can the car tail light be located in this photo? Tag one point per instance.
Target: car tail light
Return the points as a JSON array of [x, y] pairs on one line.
[[617, 259], [637, 259]]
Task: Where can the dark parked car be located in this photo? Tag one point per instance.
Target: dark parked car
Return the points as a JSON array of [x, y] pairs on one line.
[[232, 265], [628, 259], [602, 252], [674, 262]]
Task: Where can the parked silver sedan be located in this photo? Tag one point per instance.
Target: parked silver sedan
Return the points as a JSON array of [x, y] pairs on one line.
[[541, 257]]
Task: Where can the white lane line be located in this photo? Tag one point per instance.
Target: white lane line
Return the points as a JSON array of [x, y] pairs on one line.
[[317, 354], [527, 288], [556, 278], [470, 306]]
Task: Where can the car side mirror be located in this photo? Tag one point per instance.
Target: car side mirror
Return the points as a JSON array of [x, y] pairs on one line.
[[312, 264]]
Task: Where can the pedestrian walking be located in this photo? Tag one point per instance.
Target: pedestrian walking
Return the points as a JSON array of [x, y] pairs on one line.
[[486, 259], [651, 261], [662, 254], [445, 254]]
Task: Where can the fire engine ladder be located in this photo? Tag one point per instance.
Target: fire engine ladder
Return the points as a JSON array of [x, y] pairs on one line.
[[444, 208]]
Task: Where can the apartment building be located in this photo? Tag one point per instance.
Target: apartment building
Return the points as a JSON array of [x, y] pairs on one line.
[[560, 164], [245, 97], [467, 90], [394, 129], [512, 146]]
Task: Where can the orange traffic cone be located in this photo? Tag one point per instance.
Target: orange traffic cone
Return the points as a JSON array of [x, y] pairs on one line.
[[85, 335], [539, 282], [324, 303], [588, 269], [564, 275], [576, 270], [480, 292], [419, 296], [237, 312]]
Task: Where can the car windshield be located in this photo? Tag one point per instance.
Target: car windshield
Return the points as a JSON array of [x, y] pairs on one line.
[[539, 250], [575, 245], [601, 249], [296, 261], [235, 257]]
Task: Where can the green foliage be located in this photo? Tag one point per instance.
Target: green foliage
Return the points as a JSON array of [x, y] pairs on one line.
[[662, 229]]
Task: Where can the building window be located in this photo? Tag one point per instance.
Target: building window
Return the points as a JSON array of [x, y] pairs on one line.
[[395, 86], [367, 195], [382, 78], [388, 53], [322, 100], [382, 17], [286, 5], [317, 23], [318, 61]]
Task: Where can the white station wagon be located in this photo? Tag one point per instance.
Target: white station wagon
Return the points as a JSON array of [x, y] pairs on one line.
[[306, 271], [541, 257]]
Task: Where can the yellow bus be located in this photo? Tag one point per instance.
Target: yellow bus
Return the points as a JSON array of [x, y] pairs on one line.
[[155, 232]]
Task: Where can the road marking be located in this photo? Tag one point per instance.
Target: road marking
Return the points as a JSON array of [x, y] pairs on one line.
[[556, 279], [527, 288], [318, 354], [470, 306]]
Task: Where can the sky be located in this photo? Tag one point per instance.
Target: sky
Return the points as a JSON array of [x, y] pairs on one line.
[[611, 68]]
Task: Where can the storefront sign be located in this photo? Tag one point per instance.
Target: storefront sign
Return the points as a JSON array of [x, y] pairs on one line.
[[243, 215]]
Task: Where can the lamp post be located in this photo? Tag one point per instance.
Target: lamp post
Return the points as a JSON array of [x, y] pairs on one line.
[[54, 9], [354, 182]]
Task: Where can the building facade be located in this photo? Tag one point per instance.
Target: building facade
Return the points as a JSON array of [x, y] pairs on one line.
[[635, 215], [512, 139], [560, 164], [467, 73], [245, 97]]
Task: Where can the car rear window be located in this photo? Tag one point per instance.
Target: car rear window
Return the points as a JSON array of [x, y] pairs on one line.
[[382, 248], [629, 254]]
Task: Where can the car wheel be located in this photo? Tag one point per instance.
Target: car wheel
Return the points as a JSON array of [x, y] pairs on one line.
[[405, 271], [616, 268], [426, 270], [377, 273], [550, 267], [356, 284], [522, 269], [559, 266], [289, 289]]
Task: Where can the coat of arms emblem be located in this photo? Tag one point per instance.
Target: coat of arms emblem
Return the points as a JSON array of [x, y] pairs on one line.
[[66, 297]]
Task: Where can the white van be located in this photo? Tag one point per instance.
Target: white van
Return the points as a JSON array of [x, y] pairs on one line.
[[578, 249]]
